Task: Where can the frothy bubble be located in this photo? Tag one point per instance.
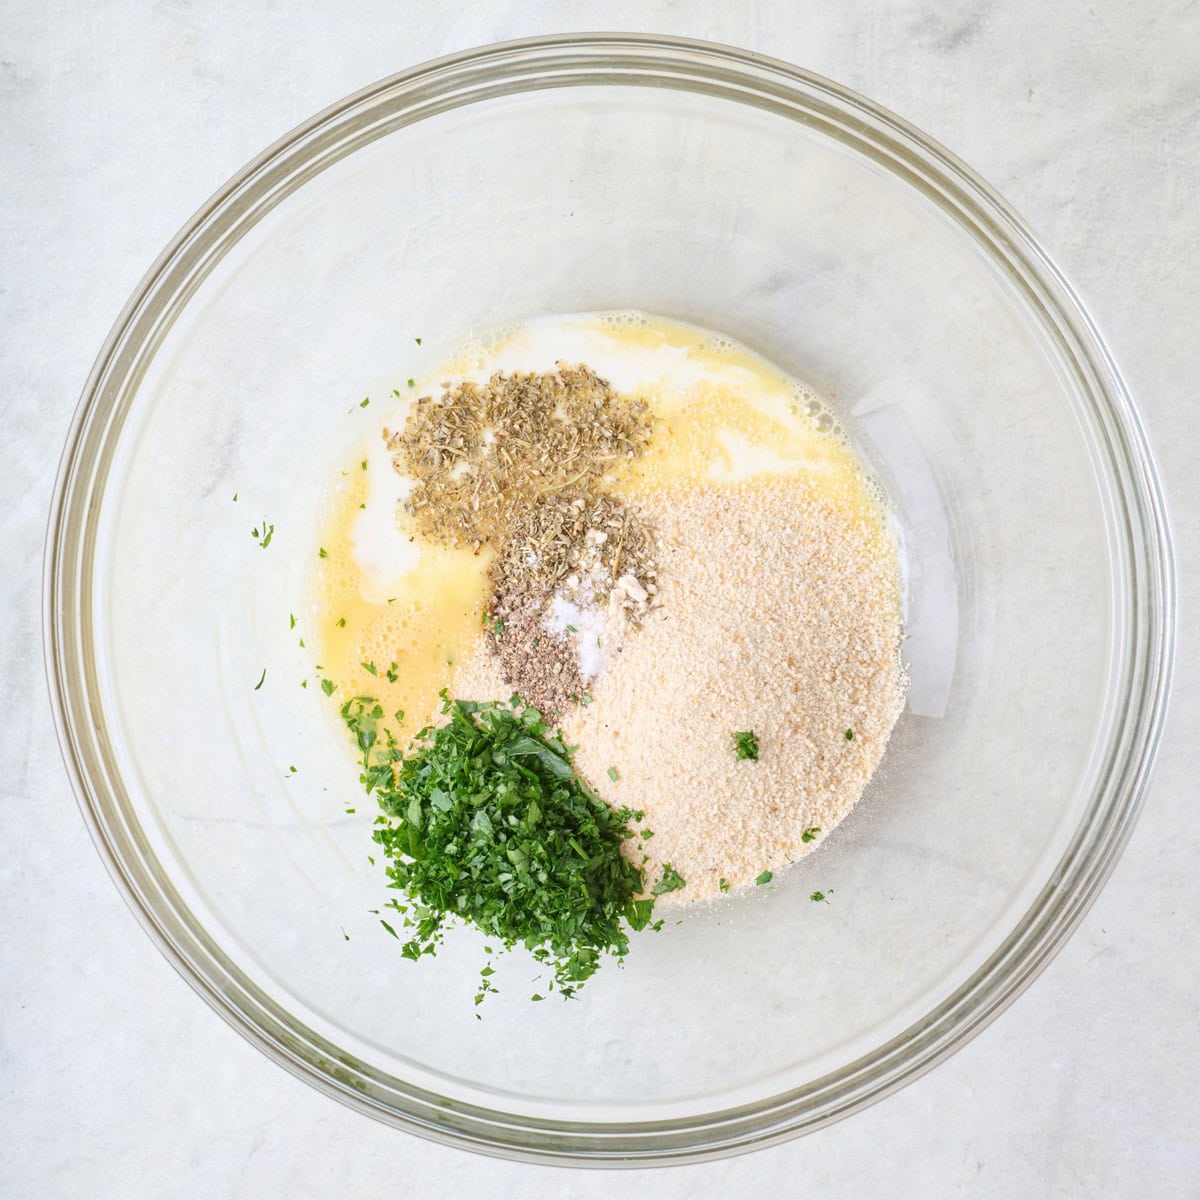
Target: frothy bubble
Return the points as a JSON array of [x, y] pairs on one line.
[[615, 320]]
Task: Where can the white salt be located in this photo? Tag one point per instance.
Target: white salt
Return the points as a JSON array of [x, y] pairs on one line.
[[584, 625]]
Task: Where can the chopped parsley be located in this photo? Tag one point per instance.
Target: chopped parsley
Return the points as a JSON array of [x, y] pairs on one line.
[[364, 402], [765, 877], [849, 735], [671, 881], [328, 686], [723, 884], [745, 745], [809, 834], [369, 667], [411, 383], [260, 679], [364, 464], [264, 535], [614, 774], [341, 622], [291, 620], [322, 553], [818, 898], [484, 821]]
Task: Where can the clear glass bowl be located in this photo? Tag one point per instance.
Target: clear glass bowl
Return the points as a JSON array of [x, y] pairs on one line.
[[707, 185]]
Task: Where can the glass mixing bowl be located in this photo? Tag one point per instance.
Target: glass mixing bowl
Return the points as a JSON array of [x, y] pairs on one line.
[[702, 184]]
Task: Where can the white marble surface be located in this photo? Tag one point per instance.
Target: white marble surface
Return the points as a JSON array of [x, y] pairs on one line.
[[117, 119]]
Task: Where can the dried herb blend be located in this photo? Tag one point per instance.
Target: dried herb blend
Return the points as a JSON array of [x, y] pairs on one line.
[[482, 456], [523, 465]]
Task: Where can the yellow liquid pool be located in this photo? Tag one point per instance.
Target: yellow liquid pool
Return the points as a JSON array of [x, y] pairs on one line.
[[396, 613]]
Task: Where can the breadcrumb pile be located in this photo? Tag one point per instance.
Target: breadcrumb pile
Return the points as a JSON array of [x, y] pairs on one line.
[[779, 615]]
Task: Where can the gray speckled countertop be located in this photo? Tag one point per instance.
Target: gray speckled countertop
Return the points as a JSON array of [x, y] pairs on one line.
[[117, 120]]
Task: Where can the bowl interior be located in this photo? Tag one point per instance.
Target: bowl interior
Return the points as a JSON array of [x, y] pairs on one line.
[[841, 266]]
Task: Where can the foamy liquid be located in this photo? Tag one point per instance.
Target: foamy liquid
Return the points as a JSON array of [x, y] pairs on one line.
[[413, 610]]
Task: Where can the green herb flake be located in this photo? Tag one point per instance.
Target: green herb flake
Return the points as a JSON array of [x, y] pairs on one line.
[[671, 881], [810, 834], [260, 679], [264, 535], [364, 402], [723, 884], [341, 622], [328, 686], [369, 667], [818, 898], [572, 629], [411, 383], [417, 340], [322, 553], [291, 620], [388, 928], [235, 497], [849, 735], [745, 745], [364, 464], [614, 774], [765, 877]]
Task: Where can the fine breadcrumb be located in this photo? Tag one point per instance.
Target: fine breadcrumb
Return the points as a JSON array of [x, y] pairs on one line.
[[779, 615]]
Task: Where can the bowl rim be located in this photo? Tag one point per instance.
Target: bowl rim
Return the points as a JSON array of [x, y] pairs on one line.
[[1140, 540]]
